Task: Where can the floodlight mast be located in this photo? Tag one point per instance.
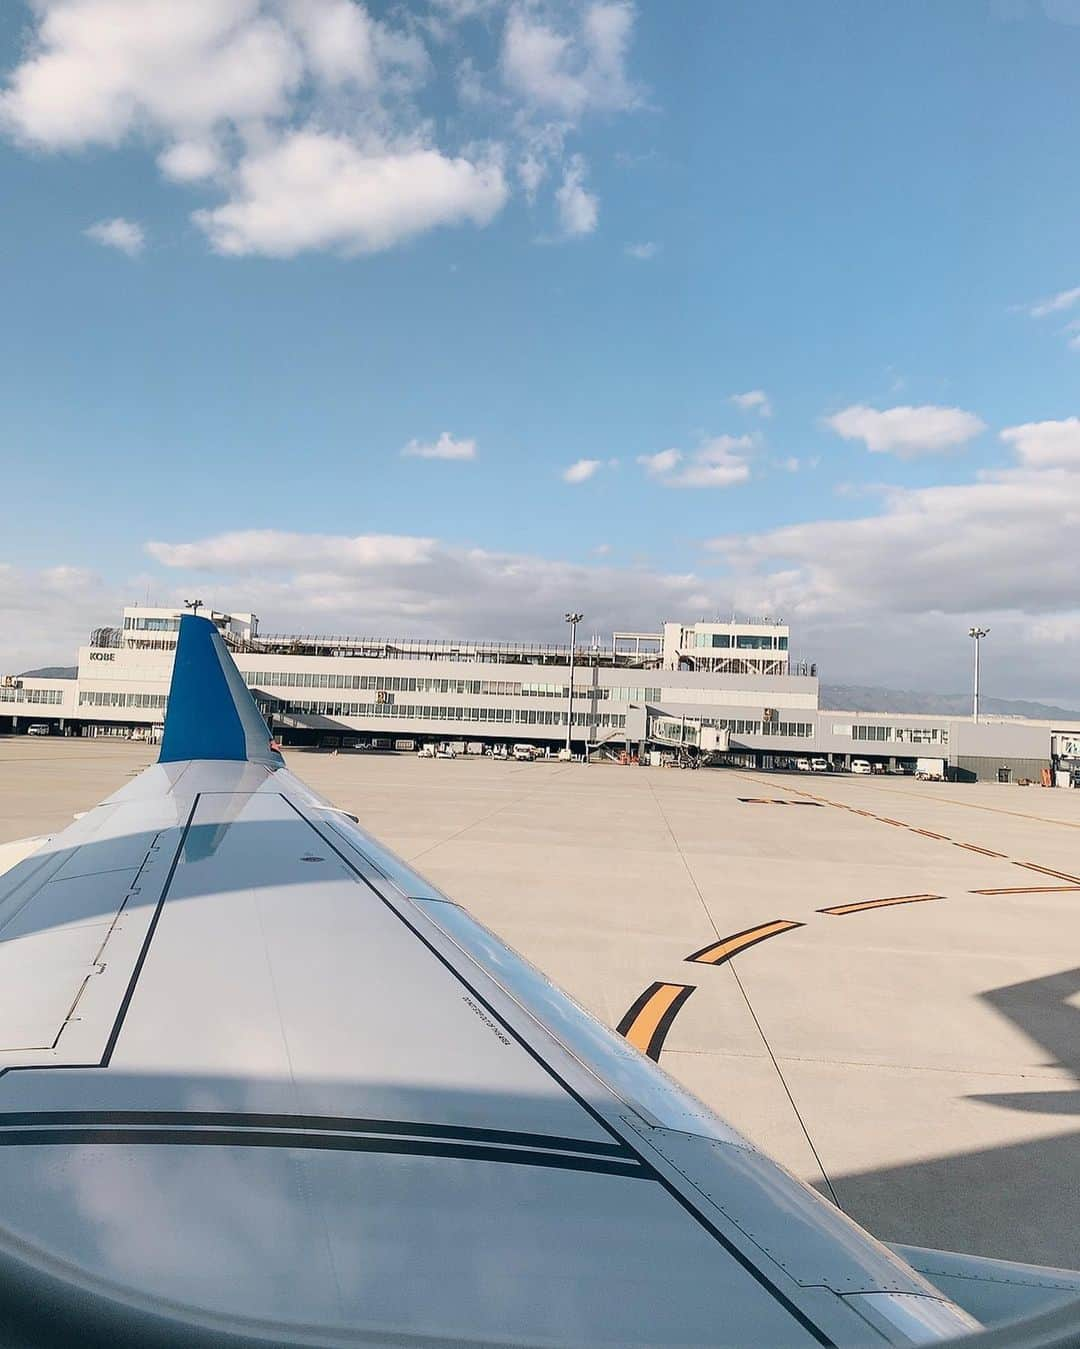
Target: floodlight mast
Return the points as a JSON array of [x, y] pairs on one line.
[[193, 605], [976, 634], [573, 619]]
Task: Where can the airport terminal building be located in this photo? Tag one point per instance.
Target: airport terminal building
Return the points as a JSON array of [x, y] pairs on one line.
[[729, 689]]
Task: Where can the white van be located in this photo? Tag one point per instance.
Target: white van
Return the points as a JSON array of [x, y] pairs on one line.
[[38, 728], [819, 765], [524, 752], [803, 765], [861, 766]]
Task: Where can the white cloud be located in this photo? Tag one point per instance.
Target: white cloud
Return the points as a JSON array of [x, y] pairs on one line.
[[578, 208], [126, 236], [98, 70], [306, 115], [446, 447], [754, 400], [532, 170], [422, 587], [642, 252], [1046, 444], [190, 161], [582, 470], [663, 461], [1000, 549], [1054, 304], [261, 549], [792, 463], [45, 615], [719, 461], [569, 73], [312, 190], [906, 431]]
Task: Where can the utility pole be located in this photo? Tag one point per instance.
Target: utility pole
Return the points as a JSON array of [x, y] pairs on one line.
[[977, 634], [573, 619]]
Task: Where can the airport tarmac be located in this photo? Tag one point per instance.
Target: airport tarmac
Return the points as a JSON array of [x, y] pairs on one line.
[[919, 1059]]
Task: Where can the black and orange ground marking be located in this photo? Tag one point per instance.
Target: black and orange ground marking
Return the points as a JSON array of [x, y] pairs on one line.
[[838, 910], [774, 801], [1048, 871], [1027, 890], [974, 847], [719, 951], [648, 1021]]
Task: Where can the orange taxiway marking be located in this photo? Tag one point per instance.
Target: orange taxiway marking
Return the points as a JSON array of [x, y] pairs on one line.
[[838, 910], [648, 1021], [717, 952]]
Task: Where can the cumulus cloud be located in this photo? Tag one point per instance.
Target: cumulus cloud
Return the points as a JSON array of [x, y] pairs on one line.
[[261, 549], [578, 208], [754, 400], [446, 447], [97, 70], [906, 431], [312, 190], [421, 587], [719, 461], [45, 615], [663, 461], [191, 161], [305, 118], [999, 549], [569, 71], [1046, 444], [582, 470], [126, 236]]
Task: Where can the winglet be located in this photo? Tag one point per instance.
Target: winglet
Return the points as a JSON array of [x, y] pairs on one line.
[[211, 713]]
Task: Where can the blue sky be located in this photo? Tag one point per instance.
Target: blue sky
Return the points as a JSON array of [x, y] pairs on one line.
[[255, 249]]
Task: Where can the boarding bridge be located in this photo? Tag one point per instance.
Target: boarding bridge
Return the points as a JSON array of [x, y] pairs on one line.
[[688, 733]]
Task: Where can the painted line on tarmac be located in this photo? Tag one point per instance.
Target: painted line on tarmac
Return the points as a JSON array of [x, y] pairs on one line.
[[927, 833], [839, 910], [775, 801], [1048, 871], [1028, 890], [649, 1019], [719, 951]]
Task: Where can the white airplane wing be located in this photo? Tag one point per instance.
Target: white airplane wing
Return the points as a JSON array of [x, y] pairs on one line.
[[262, 1083]]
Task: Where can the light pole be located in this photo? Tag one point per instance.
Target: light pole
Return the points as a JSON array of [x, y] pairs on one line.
[[573, 619], [977, 634], [193, 605]]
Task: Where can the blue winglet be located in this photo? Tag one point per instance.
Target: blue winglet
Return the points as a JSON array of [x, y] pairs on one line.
[[211, 713]]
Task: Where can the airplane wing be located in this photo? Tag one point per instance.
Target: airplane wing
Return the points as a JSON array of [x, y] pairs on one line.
[[262, 1083]]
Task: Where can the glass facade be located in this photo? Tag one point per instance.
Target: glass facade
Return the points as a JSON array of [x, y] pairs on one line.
[[24, 695]]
